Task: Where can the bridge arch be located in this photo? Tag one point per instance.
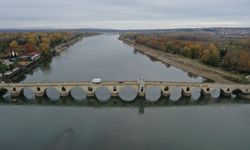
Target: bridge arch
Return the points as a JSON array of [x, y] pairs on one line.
[[103, 93], [64, 90], [176, 93], [39, 91], [165, 90], [237, 92], [78, 93], [114, 89], [15, 91], [206, 91], [196, 93], [90, 89], [53, 94], [5, 94], [186, 91], [3, 91], [128, 93], [227, 91], [28, 94], [153, 93], [216, 93], [245, 90]]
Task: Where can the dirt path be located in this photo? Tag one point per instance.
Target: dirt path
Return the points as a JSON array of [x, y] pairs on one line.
[[188, 65]]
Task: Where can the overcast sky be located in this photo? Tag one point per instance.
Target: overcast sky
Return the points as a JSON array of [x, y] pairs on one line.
[[124, 14]]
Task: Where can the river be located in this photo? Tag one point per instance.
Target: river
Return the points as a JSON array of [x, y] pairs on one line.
[[106, 57], [209, 124]]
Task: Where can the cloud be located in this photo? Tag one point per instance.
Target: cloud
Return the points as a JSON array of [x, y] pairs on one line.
[[124, 14]]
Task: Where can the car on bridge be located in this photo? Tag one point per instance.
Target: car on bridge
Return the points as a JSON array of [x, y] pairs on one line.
[[96, 81]]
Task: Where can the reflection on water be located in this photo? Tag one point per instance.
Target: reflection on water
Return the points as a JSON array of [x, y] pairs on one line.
[[128, 93], [52, 94], [45, 66], [196, 93], [141, 103], [122, 125], [103, 94], [78, 94], [153, 94]]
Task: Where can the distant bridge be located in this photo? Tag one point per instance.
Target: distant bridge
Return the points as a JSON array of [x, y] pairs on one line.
[[114, 87], [111, 32]]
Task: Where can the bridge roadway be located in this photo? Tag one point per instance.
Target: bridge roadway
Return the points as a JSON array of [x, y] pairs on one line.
[[64, 88]]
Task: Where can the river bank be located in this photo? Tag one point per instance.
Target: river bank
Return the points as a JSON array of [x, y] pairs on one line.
[[66, 45], [18, 73], [192, 66]]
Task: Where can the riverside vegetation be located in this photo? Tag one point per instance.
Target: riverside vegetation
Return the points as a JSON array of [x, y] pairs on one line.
[[231, 53], [17, 45]]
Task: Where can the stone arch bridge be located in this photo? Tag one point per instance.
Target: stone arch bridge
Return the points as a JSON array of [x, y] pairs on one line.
[[64, 88]]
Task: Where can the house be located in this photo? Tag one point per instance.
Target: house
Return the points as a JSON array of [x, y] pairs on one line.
[[6, 62], [30, 56], [34, 56]]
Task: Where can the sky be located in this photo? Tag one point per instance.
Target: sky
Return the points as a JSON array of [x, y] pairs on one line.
[[124, 14]]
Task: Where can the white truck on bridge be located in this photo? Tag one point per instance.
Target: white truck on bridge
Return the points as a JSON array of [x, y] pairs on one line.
[[96, 81]]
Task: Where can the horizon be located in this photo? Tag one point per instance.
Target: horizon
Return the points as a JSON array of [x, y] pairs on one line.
[[124, 15], [194, 28]]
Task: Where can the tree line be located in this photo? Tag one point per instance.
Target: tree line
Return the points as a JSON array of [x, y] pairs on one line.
[[26, 42], [231, 53], [32, 41]]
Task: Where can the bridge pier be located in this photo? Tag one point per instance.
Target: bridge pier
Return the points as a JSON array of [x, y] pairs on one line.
[[90, 94], [165, 90], [206, 92], [39, 94], [141, 90], [141, 94], [14, 94], [186, 92], [165, 94], [114, 94], [227, 94], [244, 96], [64, 94]]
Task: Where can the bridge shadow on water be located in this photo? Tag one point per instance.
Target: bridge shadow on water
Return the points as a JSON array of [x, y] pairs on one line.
[[140, 103]]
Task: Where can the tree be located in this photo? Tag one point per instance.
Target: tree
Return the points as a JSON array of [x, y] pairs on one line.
[[44, 46], [169, 46], [3, 46], [185, 51], [230, 61], [3, 68], [211, 56], [14, 45], [29, 47], [31, 39], [244, 61], [195, 51]]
